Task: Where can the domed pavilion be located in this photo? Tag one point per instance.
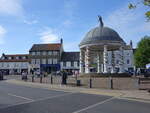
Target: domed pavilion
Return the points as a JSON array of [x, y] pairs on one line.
[[95, 46]]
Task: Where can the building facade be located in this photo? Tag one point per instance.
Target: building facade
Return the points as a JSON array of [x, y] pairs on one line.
[[41, 58], [46, 57], [14, 64], [70, 61]]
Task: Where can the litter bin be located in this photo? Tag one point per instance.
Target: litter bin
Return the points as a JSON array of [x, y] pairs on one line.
[[78, 82]]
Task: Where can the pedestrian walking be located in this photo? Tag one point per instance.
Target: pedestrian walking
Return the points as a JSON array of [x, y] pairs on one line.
[[64, 77]]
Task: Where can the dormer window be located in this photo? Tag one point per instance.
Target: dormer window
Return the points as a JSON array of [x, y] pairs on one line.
[[17, 57], [24, 57]]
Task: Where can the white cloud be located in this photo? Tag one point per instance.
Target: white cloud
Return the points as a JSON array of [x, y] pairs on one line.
[[130, 24], [30, 22], [2, 34], [11, 7], [48, 36], [67, 23]]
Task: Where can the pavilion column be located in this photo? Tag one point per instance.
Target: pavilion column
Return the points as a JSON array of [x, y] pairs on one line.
[[113, 62], [87, 60], [105, 59], [121, 63], [98, 63], [81, 61]]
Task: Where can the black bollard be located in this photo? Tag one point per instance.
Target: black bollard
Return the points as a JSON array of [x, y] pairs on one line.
[[139, 81], [41, 79], [90, 83], [51, 79], [111, 83], [33, 78]]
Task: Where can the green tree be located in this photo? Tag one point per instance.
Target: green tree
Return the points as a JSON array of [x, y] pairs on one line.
[[144, 2], [142, 53]]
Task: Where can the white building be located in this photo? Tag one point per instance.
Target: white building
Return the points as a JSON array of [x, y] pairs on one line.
[[14, 64]]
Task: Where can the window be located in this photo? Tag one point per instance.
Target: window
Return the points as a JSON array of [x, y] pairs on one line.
[[50, 53], [44, 53], [15, 65], [38, 53], [3, 58], [2, 64], [55, 52], [24, 64], [55, 61], [43, 61], [68, 64], [75, 64], [32, 53], [7, 64], [128, 54], [128, 61], [117, 61], [64, 64], [17, 57], [20, 57], [33, 61], [49, 61], [72, 64], [37, 61], [9, 58], [24, 57]]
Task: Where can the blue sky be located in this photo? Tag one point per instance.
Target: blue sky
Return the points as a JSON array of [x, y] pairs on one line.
[[26, 22]]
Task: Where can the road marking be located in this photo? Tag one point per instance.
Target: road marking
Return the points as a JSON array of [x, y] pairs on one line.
[[25, 98], [35, 100], [94, 105], [54, 96]]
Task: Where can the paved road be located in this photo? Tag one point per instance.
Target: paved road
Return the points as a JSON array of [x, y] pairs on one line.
[[22, 99]]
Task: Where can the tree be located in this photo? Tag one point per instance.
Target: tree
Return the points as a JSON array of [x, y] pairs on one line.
[[142, 53], [144, 2]]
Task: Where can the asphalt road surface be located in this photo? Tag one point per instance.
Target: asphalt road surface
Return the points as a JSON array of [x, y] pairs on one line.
[[22, 99]]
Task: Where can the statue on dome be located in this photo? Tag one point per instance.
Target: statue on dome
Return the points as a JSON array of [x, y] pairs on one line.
[[101, 21]]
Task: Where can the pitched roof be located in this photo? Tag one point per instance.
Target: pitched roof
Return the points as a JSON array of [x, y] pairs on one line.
[[15, 55], [14, 58], [46, 47], [70, 56]]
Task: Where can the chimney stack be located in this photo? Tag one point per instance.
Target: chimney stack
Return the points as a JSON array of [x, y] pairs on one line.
[[131, 44], [61, 41]]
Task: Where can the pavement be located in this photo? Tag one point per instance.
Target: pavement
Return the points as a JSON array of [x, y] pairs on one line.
[[25, 97]]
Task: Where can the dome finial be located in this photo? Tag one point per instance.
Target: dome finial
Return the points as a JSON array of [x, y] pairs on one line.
[[100, 20]]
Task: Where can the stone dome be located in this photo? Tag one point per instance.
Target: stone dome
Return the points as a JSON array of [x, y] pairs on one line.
[[101, 35]]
